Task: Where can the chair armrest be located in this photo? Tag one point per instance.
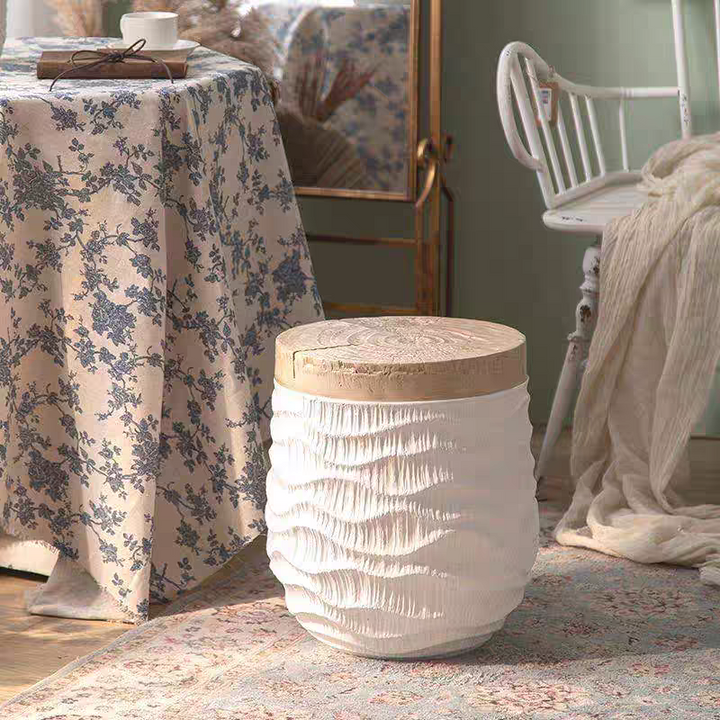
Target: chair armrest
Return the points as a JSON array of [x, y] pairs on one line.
[[508, 61]]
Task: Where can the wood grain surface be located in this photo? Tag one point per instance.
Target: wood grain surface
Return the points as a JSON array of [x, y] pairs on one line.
[[400, 359]]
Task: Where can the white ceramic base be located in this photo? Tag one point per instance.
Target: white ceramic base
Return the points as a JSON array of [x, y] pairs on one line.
[[402, 530]]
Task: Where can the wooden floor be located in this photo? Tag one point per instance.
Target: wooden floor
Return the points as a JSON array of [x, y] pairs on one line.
[[33, 647]]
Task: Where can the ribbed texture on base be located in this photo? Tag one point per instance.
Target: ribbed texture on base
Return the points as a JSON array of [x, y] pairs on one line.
[[402, 529]]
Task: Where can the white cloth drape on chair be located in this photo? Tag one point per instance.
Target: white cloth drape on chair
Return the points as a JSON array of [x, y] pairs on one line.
[[650, 371]]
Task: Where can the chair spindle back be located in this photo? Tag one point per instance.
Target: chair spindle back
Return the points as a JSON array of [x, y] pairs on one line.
[[524, 81]]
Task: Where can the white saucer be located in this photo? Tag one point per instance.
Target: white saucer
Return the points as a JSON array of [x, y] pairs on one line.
[[179, 45]]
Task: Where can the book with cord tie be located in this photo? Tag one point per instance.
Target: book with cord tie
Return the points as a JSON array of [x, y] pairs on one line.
[[85, 65]]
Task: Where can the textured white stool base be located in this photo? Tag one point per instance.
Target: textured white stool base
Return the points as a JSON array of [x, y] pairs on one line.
[[446, 650], [402, 530]]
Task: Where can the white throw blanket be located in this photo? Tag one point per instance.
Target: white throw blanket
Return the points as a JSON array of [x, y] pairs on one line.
[[650, 372]]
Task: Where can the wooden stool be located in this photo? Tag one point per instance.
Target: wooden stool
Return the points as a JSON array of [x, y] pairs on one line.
[[401, 501]]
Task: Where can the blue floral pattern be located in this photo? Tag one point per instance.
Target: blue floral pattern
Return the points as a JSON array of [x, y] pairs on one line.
[[150, 252]]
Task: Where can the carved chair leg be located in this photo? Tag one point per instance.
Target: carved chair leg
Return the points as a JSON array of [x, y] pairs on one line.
[[586, 317]]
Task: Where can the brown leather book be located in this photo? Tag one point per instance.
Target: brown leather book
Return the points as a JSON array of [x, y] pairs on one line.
[[54, 62]]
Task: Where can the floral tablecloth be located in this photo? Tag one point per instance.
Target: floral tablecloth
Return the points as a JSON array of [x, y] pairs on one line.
[[150, 252]]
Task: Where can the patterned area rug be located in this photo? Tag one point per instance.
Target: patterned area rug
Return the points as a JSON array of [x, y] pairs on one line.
[[596, 637]]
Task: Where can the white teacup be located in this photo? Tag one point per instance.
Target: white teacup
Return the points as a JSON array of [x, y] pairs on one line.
[[159, 29]]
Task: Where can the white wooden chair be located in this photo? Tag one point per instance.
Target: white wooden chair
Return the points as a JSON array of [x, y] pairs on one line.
[[582, 201]]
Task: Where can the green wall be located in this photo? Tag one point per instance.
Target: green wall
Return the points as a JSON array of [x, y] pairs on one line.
[[511, 269]]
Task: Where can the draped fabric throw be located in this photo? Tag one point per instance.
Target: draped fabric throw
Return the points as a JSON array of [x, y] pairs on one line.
[[650, 372], [150, 252]]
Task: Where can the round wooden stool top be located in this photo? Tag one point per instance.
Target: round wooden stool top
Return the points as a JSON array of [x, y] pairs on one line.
[[400, 359]]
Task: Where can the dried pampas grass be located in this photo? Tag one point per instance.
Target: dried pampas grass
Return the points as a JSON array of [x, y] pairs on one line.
[[83, 18], [319, 155], [217, 24]]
